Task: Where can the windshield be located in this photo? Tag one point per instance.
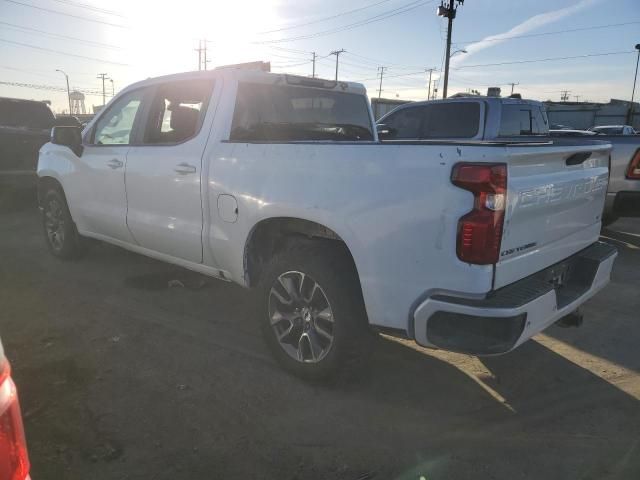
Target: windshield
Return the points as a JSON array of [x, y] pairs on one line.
[[291, 113]]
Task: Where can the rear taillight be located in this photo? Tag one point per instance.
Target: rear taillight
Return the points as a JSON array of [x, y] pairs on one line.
[[14, 461], [633, 172], [480, 231]]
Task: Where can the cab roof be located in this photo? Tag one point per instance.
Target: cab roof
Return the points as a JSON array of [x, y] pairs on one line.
[[257, 72]]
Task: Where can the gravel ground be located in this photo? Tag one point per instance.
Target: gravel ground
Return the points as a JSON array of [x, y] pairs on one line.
[[122, 376]]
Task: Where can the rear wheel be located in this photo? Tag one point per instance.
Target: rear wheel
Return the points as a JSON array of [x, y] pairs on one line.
[[312, 316], [60, 232]]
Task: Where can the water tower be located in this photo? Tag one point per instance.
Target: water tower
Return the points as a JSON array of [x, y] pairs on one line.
[[77, 103]]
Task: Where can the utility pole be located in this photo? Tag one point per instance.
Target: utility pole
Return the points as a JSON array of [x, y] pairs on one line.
[[513, 85], [313, 73], [448, 9], [337, 54], [577, 97], [103, 76], [69, 91], [633, 92], [204, 42], [381, 70], [430, 70], [199, 50], [564, 95]]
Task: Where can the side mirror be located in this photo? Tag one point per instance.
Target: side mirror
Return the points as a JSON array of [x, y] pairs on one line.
[[69, 137], [385, 132]]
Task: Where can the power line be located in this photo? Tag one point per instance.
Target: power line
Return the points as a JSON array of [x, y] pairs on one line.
[[509, 63], [383, 16], [90, 7], [550, 59], [556, 32], [331, 17], [27, 45], [58, 12], [35, 86], [63, 37]]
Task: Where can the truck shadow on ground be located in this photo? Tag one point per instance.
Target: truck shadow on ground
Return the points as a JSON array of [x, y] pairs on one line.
[[610, 331], [121, 377]]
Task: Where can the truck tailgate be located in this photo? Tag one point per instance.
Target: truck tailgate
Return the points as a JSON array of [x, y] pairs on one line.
[[555, 197]]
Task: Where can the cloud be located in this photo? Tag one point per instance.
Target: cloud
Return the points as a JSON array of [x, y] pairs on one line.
[[527, 26]]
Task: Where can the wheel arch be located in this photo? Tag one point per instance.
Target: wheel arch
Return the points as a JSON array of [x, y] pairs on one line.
[[270, 235], [44, 183]]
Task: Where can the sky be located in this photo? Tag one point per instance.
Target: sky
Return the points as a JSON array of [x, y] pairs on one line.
[[544, 46]]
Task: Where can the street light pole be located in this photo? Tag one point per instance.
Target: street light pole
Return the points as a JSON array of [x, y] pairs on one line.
[[448, 10], [633, 92], [69, 91], [113, 88]]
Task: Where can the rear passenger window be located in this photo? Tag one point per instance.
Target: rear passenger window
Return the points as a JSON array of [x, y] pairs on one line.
[[177, 112], [444, 120], [523, 120], [452, 120]]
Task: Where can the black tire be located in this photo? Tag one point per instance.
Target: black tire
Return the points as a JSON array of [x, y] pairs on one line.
[[60, 231], [330, 267]]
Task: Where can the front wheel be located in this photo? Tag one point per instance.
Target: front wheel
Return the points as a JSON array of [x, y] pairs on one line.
[[313, 316], [60, 232]]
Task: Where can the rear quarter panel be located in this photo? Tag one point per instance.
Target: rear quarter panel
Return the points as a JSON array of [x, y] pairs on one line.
[[393, 205]]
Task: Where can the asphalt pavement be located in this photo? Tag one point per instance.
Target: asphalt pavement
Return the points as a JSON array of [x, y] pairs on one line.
[[128, 368]]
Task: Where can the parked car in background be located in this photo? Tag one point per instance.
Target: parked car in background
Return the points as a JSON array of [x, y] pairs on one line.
[[278, 183], [623, 195], [465, 118], [490, 118], [613, 130], [25, 125], [14, 460]]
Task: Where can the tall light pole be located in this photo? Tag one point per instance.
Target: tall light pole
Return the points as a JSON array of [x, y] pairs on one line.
[[113, 88], [69, 91], [633, 92], [448, 9]]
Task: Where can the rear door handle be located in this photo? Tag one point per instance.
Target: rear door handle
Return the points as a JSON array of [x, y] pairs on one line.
[[577, 158], [184, 169], [114, 163]]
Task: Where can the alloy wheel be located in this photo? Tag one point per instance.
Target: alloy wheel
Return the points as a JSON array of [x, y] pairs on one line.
[[301, 317]]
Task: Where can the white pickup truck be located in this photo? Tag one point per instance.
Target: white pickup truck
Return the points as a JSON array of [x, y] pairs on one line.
[[279, 183]]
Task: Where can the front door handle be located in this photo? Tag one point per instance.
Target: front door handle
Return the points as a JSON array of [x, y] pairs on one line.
[[184, 169], [114, 163]]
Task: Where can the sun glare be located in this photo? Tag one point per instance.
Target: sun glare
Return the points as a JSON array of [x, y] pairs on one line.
[[163, 36]]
